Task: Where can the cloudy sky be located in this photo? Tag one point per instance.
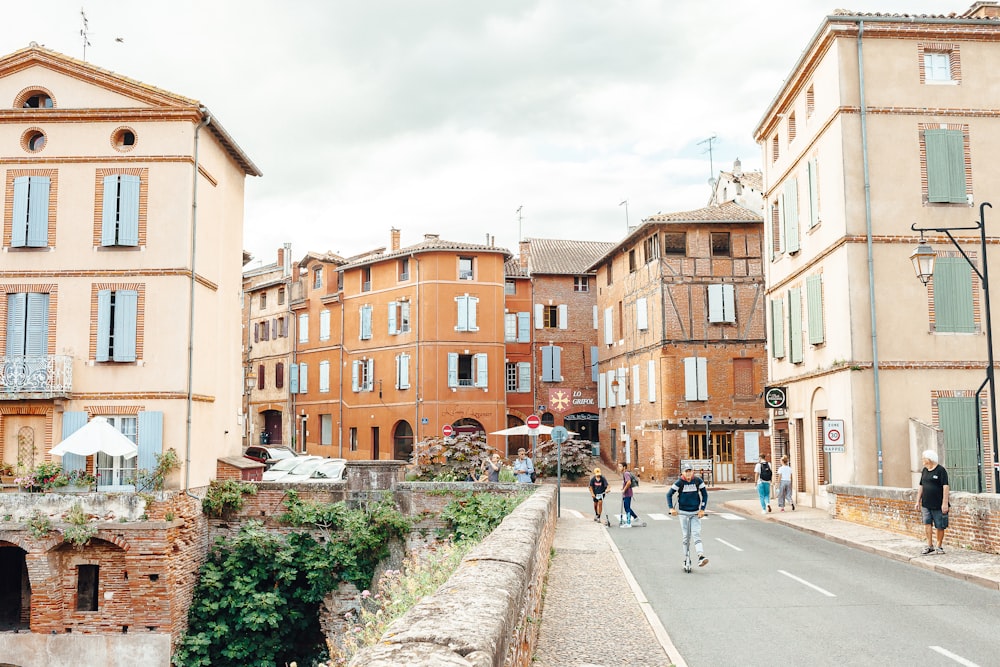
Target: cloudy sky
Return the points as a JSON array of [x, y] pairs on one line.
[[446, 116]]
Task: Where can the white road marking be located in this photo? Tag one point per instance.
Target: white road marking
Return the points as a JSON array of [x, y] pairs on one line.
[[574, 514], [806, 583], [957, 658], [658, 517], [731, 546], [732, 517]]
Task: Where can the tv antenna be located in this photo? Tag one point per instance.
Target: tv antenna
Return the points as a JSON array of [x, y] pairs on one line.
[[520, 237], [625, 204], [85, 33], [711, 165]]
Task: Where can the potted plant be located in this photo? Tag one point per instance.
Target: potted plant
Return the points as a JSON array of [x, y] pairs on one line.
[[79, 481], [6, 473]]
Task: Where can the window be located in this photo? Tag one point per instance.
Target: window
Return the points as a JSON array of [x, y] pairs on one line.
[[324, 325], [954, 309], [402, 371], [651, 248], [937, 67], [304, 328], [366, 279], [283, 327], [814, 302], [404, 268], [467, 370], [324, 377], [87, 580], [466, 320], [303, 379], [263, 300], [510, 327], [810, 102], [509, 287], [33, 140], [365, 323], [551, 317], [945, 166], [795, 325], [775, 228], [30, 217], [631, 261], [340, 280], [791, 127], [354, 438], [28, 329], [675, 243], [120, 210], [581, 284], [465, 268], [326, 429], [511, 375], [261, 378], [720, 244], [362, 375], [551, 363], [279, 375], [317, 277], [777, 329], [610, 272], [117, 312], [399, 317], [721, 303], [695, 379], [775, 154], [123, 139], [37, 99], [743, 378], [281, 296], [265, 330]]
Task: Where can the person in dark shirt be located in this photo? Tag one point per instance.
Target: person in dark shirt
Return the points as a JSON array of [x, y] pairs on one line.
[[692, 499], [598, 487], [932, 501]]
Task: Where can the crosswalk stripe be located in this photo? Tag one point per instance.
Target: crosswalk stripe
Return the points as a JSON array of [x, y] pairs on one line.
[[659, 517], [574, 513], [732, 517]]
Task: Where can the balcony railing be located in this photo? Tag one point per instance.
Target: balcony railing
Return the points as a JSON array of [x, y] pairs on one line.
[[44, 376]]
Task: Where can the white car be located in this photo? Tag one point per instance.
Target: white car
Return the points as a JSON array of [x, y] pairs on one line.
[[331, 470], [285, 466], [304, 470]]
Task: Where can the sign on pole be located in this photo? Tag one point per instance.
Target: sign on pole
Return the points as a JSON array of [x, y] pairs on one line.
[[533, 422], [447, 430], [559, 435], [833, 435], [775, 397]]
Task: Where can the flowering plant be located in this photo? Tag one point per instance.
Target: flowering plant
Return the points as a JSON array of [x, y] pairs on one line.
[[6, 469]]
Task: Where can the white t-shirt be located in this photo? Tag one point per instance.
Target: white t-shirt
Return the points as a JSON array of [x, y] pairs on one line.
[[785, 473]]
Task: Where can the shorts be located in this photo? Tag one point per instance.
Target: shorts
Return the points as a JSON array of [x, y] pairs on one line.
[[935, 517], [598, 496]]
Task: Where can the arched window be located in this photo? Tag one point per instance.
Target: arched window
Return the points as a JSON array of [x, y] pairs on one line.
[[402, 441]]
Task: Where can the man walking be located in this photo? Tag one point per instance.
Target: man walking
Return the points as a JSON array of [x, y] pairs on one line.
[[523, 467], [932, 500], [763, 472], [785, 484], [627, 513], [692, 499], [598, 487]]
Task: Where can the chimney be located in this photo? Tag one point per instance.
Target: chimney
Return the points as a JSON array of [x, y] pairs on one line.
[[737, 168], [285, 260], [393, 239], [982, 10], [432, 237], [525, 253], [281, 258]]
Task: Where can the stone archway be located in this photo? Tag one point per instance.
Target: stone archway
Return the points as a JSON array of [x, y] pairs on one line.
[[15, 589]]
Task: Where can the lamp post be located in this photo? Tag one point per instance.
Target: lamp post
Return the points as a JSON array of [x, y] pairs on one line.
[[249, 379], [615, 386], [923, 258]]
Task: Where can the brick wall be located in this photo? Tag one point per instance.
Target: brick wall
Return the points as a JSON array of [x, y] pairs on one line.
[[973, 519]]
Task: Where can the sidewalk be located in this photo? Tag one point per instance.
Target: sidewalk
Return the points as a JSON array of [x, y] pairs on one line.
[[585, 624]]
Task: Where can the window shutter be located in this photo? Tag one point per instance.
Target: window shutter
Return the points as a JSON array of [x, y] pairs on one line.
[[404, 371], [557, 364], [636, 392], [651, 380], [814, 301], [609, 337], [324, 325], [690, 378], [303, 379], [547, 371], [641, 319], [523, 377], [17, 307], [958, 419], [103, 324], [404, 316], [293, 378], [539, 316], [602, 401], [324, 376], [274, 329], [715, 303], [510, 327], [366, 322], [370, 376], [36, 339], [304, 328], [453, 369], [728, 303], [777, 329], [953, 296], [482, 372], [398, 365], [19, 231], [71, 421], [393, 327], [945, 166], [463, 313], [126, 312], [595, 318], [702, 369], [594, 354], [792, 215], [473, 303], [622, 388], [279, 375], [150, 439], [38, 212], [563, 316], [256, 332], [795, 325], [524, 327], [612, 396], [812, 166], [109, 211], [128, 210], [355, 376]]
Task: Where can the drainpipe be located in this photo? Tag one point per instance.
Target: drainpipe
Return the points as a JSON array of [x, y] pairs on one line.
[[340, 430], [868, 245], [415, 314], [206, 119]]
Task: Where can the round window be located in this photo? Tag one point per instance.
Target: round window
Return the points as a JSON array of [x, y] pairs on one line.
[[123, 139], [33, 140]]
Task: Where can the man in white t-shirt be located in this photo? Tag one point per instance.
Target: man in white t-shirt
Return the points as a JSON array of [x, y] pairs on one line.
[[785, 484]]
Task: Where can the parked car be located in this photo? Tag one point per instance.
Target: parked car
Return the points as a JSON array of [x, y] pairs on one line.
[[331, 470], [303, 472], [284, 466], [269, 455]]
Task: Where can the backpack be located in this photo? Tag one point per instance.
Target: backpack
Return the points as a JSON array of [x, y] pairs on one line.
[[765, 471], [635, 480]]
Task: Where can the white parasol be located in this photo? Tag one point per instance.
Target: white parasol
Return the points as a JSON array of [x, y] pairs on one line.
[[97, 435]]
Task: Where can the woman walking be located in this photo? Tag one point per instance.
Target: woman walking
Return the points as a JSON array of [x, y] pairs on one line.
[[785, 484]]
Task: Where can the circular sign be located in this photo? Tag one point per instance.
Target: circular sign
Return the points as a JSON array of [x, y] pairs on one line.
[[447, 430], [533, 422], [775, 397], [559, 435], [833, 435]]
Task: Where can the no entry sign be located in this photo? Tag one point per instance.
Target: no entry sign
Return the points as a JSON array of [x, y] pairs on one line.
[[533, 422], [447, 430]]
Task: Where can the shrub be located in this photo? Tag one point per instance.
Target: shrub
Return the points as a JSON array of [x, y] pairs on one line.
[[450, 459], [79, 531], [576, 458], [473, 516], [155, 479], [226, 497], [39, 525]]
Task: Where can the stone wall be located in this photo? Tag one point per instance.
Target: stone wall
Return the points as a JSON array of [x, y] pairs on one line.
[[973, 519], [486, 614]]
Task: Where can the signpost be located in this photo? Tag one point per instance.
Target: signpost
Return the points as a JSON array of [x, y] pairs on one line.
[[559, 436], [447, 430]]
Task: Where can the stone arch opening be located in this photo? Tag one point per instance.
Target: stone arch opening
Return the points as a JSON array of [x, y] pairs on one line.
[[15, 589]]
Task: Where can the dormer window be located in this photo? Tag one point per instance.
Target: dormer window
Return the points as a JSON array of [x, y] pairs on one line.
[[37, 100]]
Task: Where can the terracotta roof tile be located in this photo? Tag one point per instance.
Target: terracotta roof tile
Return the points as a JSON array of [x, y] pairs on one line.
[[726, 212], [556, 256], [512, 268], [427, 245]]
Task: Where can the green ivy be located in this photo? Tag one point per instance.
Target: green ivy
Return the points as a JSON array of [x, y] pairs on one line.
[[473, 516], [257, 599], [226, 497], [79, 531]]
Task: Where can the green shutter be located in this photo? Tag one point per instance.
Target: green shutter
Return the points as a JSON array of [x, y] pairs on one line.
[[957, 418], [795, 325], [777, 329], [814, 302], [953, 296], [813, 194], [945, 166], [791, 215]]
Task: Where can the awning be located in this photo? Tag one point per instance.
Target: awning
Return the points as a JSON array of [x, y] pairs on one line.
[[97, 435], [524, 430]]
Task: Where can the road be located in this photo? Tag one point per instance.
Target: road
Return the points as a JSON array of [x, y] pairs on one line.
[[773, 595]]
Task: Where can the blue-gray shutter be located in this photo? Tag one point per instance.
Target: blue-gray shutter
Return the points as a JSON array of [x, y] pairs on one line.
[[482, 372], [524, 327], [795, 325], [953, 296], [473, 303], [293, 379], [463, 313], [602, 401], [103, 324], [393, 329], [36, 339], [547, 370], [813, 193], [128, 210], [594, 375], [563, 312], [539, 316], [366, 322], [404, 371], [19, 231], [814, 303], [17, 306], [945, 166], [715, 309], [109, 211], [523, 377], [729, 303], [641, 318], [303, 379], [38, 212], [777, 329], [355, 375], [370, 375], [126, 312], [453, 369], [791, 215], [150, 439], [71, 422], [556, 364]]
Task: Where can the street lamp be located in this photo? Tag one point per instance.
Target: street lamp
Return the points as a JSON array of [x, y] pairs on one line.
[[923, 265], [615, 386]]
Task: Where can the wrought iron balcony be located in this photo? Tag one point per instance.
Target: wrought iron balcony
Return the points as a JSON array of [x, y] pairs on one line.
[[45, 376]]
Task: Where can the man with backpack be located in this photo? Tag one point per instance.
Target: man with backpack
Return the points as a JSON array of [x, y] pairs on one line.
[[692, 499], [625, 521], [763, 472]]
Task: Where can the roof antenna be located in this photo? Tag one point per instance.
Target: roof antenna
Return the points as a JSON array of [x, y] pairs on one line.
[[84, 33], [520, 236], [711, 163], [625, 204]]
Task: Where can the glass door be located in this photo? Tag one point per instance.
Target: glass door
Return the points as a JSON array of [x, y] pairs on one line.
[[116, 473]]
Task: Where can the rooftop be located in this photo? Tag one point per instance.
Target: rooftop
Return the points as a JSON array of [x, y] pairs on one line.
[[555, 256]]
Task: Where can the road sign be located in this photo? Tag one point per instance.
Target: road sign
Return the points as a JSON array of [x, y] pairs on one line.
[[707, 417], [533, 422], [775, 397], [447, 430], [833, 435], [425, 420], [559, 435]]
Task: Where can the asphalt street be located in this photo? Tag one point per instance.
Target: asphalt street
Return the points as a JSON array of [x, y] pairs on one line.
[[774, 595]]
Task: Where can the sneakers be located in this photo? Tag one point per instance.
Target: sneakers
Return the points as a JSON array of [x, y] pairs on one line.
[[793, 507], [782, 509], [597, 519], [939, 550], [763, 511], [769, 507], [702, 560], [625, 525], [927, 550]]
